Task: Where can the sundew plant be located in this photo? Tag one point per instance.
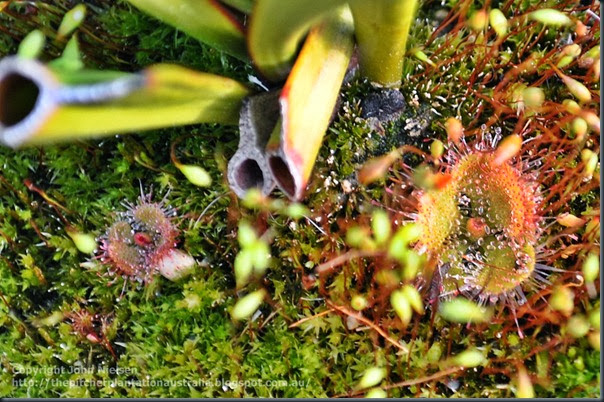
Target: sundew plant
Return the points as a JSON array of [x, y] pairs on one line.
[[274, 198]]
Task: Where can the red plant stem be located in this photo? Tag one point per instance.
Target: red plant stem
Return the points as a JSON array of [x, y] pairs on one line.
[[328, 266], [10, 241], [312, 317], [407, 383], [367, 322], [53, 203], [38, 232], [435, 376], [22, 196]]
